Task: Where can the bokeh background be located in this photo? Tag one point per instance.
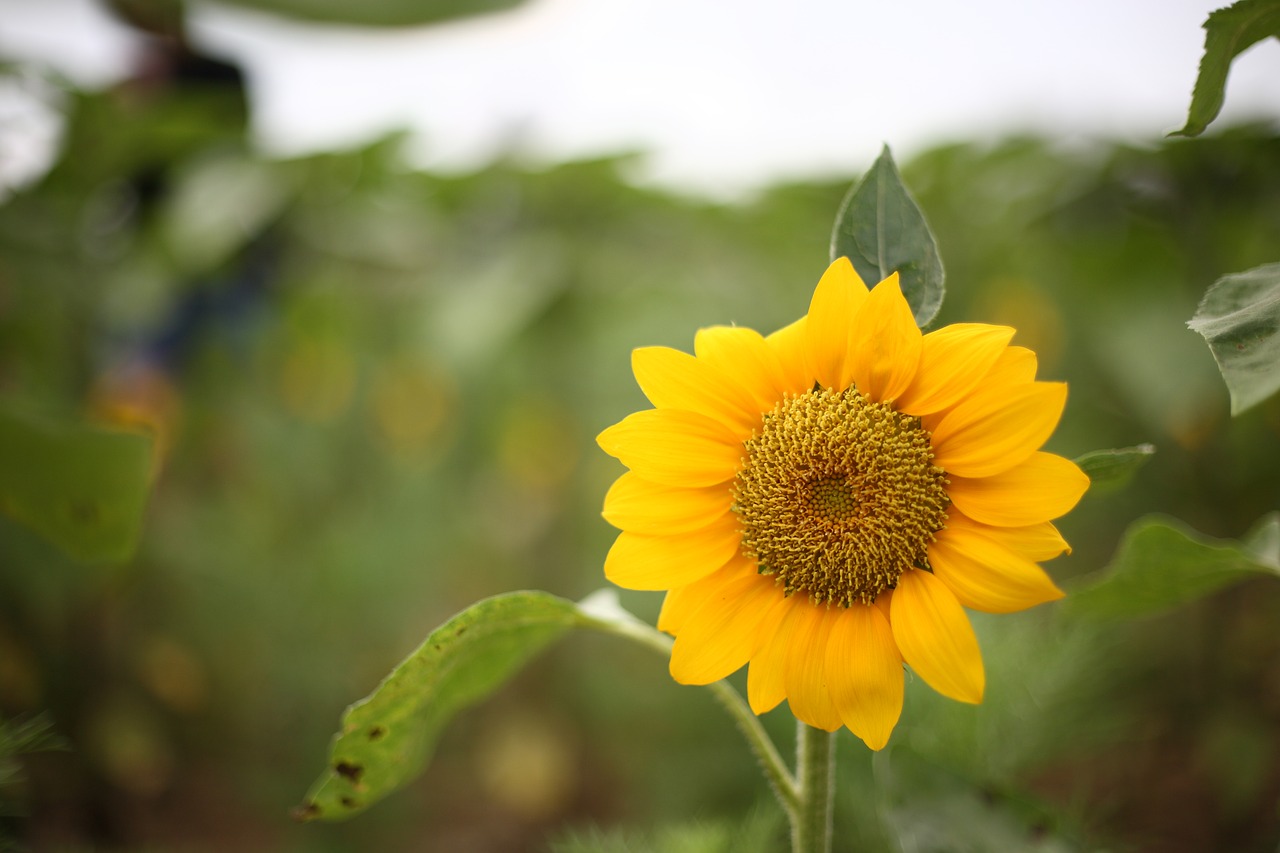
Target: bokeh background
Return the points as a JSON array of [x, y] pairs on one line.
[[374, 389]]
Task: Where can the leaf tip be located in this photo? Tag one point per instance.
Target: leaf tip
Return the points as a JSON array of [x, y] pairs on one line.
[[305, 813]]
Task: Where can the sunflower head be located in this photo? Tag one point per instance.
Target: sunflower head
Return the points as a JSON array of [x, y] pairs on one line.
[[822, 503]]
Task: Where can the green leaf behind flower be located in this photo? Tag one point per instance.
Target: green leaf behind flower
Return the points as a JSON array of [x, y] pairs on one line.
[[1114, 467], [83, 488], [1240, 318], [1161, 563], [1228, 33], [881, 229]]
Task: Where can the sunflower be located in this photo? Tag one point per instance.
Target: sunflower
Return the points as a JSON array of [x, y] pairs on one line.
[[824, 502]]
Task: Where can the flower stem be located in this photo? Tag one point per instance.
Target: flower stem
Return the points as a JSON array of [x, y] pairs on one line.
[[606, 615], [815, 775]]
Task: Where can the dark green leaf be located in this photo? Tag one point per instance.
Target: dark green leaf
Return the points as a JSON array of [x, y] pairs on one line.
[[387, 737], [83, 488], [1161, 563], [380, 13], [1116, 466], [1240, 318], [881, 230], [1228, 33]]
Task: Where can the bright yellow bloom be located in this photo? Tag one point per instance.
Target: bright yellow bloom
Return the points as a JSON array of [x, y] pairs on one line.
[[822, 503]]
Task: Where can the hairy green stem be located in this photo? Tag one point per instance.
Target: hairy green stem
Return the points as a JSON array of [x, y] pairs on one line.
[[815, 775]]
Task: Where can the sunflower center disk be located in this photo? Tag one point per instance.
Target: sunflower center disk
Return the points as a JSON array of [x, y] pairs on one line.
[[838, 496]]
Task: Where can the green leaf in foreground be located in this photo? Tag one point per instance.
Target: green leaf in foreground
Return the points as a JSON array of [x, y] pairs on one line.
[[83, 488], [881, 230], [387, 737], [1114, 467], [1240, 318], [1161, 563], [1228, 33]]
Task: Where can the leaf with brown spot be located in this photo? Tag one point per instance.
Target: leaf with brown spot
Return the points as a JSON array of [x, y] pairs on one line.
[[387, 737]]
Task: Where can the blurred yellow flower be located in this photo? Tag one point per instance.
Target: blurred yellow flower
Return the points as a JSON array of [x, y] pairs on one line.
[[822, 503]]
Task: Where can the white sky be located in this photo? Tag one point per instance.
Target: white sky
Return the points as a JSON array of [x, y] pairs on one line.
[[723, 95]]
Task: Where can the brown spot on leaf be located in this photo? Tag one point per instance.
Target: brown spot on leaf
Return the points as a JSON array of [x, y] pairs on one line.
[[350, 772], [305, 812], [349, 803], [377, 733]]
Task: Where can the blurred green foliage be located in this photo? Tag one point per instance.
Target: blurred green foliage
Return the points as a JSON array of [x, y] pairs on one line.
[[166, 16], [84, 488], [373, 394]]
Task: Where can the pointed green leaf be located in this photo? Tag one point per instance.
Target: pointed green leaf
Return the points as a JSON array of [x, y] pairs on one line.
[[388, 736], [881, 230], [83, 488], [1114, 467], [1240, 318], [1228, 33], [1161, 563]]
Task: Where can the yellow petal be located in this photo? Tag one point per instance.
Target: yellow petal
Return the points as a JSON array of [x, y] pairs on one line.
[[991, 432], [839, 296], [674, 447], [935, 637], [864, 672], [791, 345], [1041, 488], [806, 665], [633, 503], [1036, 542], [766, 678], [723, 634], [986, 576], [953, 361], [637, 561], [672, 379], [682, 602], [1015, 365], [884, 343], [884, 601], [744, 357], [677, 604]]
